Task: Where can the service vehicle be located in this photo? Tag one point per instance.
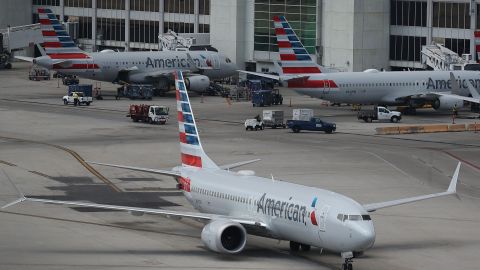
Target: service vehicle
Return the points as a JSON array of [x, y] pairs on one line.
[[314, 124], [302, 114], [38, 74], [254, 123], [78, 94], [70, 80], [273, 118], [152, 114], [379, 113]]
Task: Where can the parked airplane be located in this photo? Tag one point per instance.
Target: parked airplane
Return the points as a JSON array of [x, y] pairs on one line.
[[414, 89], [154, 67], [233, 204]]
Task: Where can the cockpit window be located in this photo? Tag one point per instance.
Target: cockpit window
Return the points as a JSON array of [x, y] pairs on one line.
[[354, 217], [366, 217], [228, 60], [340, 217]]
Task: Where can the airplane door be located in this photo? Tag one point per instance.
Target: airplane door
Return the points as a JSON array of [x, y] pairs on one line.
[[322, 222], [215, 62], [326, 86]]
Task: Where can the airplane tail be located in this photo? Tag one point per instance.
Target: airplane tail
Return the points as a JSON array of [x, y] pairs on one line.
[[57, 43], [191, 149], [294, 58]]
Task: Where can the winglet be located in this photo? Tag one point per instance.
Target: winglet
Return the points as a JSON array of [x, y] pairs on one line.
[[452, 188]]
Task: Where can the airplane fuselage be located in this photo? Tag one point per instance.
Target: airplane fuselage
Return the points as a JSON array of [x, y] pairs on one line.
[[292, 212], [143, 67], [383, 87]]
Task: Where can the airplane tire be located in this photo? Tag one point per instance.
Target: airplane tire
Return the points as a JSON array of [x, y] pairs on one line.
[[304, 247], [294, 246]]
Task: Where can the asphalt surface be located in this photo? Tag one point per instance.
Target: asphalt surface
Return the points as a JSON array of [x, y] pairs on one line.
[[43, 144]]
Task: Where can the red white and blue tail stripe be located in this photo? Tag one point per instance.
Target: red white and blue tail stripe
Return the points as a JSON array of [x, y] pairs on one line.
[[191, 150], [57, 43], [294, 58]]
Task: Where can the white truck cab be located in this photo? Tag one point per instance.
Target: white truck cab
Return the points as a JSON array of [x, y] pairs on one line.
[[158, 114]]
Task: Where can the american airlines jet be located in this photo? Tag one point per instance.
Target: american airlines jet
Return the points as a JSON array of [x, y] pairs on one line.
[[232, 204], [154, 67], [441, 89]]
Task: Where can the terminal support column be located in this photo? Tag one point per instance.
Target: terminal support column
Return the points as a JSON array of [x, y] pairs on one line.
[[94, 25], [127, 26]]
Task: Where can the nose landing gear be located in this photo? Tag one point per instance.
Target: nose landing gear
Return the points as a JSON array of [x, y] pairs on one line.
[[348, 257]]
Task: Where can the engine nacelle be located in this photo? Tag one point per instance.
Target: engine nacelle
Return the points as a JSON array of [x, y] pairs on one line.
[[446, 103], [197, 83], [224, 236]]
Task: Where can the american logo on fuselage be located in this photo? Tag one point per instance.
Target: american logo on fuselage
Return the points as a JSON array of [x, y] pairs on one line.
[[176, 62], [282, 209], [447, 84]]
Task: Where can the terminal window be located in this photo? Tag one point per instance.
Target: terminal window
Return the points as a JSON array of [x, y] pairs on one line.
[[301, 14]]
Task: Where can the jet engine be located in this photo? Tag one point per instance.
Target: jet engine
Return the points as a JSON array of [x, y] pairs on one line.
[[446, 103], [224, 236], [197, 83]]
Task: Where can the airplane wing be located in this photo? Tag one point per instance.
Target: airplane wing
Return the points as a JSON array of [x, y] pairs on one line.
[[238, 164], [269, 76], [276, 77], [456, 89], [155, 171], [24, 58], [161, 212], [452, 189], [469, 99]]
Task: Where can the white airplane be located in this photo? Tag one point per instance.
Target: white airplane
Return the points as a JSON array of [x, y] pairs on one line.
[[233, 204], [154, 67], [414, 89]]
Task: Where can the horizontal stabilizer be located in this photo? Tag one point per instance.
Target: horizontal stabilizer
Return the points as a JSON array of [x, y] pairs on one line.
[[24, 58], [452, 189], [155, 171], [238, 164]]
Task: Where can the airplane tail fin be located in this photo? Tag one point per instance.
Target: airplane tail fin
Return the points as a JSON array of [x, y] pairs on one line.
[[191, 149], [294, 58], [57, 43]]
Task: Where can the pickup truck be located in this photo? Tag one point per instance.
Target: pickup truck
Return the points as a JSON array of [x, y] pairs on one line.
[[315, 124], [379, 113], [80, 99]]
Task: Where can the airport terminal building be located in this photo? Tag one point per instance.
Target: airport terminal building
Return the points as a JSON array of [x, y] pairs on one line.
[[344, 34]]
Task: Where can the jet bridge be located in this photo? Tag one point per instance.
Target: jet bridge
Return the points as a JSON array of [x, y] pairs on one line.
[[171, 41], [17, 38], [439, 57]]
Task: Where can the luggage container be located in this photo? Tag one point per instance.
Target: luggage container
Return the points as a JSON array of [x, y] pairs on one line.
[[302, 114], [136, 91], [86, 89], [273, 118]]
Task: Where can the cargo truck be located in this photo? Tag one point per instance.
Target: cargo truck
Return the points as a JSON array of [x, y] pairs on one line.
[[379, 113], [273, 118], [313, 124], [78, 94], [149, 113]]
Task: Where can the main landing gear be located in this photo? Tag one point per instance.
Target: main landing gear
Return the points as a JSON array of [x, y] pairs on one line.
[[295, 247], [348, 257]]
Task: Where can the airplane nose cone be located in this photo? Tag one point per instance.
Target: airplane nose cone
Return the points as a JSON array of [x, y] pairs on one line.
[[365, 238]]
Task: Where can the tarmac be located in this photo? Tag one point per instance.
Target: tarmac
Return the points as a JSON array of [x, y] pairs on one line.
[[43, 145]]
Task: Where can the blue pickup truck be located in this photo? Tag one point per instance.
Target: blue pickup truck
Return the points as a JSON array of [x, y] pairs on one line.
[[315, 124]]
